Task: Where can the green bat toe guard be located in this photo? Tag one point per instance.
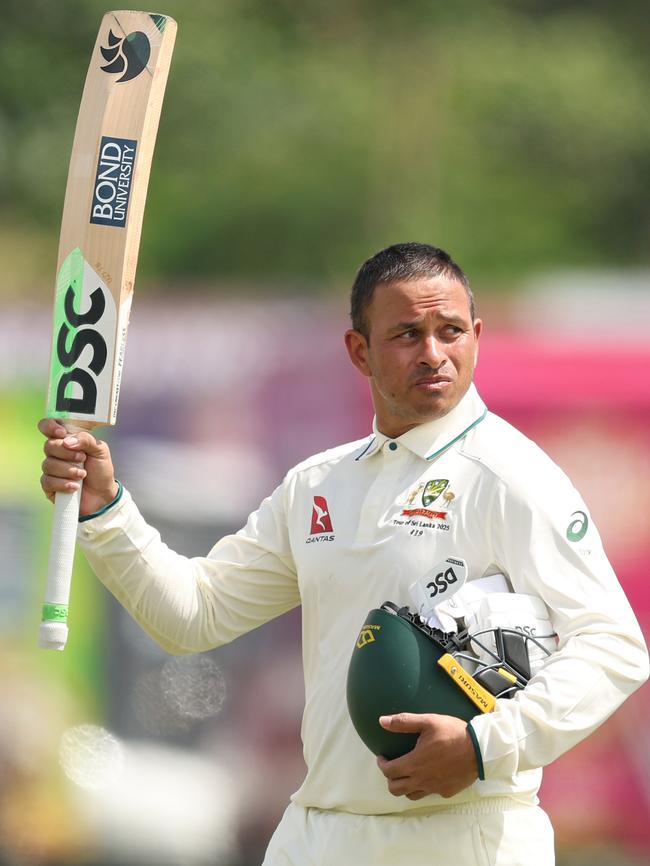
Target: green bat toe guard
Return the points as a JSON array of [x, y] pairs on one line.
[[394, 668]]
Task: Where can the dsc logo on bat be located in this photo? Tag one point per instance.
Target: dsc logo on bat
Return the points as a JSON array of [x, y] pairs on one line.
[[87, 346], [86, 400], [113, 180]]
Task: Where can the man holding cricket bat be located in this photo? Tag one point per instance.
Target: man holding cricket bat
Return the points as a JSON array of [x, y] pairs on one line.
[[439, 477]]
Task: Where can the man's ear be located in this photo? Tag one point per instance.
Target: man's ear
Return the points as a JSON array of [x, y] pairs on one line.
[[478, 328], [357, 347]]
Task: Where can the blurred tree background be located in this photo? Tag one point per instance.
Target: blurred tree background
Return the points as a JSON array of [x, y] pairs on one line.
[[299, 136]]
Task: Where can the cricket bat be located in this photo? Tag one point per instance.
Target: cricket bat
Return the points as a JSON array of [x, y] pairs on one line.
[[98, 252]]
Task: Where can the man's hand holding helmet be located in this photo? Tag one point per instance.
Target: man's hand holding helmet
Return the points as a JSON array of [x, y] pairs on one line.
[[442, 762]]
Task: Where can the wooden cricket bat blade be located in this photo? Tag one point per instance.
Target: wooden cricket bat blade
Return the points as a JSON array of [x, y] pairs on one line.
[[98, 253]]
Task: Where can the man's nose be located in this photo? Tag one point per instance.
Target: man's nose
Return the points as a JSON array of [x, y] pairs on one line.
[[432, 353]]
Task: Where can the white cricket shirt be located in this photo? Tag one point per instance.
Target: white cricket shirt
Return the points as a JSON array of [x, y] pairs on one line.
[[355, 526]]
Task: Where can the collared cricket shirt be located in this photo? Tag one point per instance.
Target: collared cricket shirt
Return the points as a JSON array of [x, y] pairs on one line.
[[355, 526]]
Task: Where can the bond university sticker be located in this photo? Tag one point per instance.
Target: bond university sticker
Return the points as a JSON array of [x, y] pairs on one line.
[[439, 584]]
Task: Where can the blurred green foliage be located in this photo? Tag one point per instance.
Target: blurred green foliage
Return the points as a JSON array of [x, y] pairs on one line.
[[299, 136]]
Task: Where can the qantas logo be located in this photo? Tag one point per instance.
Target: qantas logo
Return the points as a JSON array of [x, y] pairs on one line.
[[320, 516], [321, 522]]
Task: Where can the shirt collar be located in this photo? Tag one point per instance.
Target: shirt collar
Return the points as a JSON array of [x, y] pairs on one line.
[[433, 438]]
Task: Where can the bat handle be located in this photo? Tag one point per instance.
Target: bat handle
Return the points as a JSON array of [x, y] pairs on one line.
[[53, 630]]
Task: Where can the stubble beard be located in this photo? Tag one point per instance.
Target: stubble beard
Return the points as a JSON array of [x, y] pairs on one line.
[[411, 413]]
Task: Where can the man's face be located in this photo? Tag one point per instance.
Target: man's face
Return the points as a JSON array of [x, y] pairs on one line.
[[421, 351]]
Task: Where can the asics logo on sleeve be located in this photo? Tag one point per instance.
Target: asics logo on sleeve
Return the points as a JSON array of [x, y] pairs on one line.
[[577, 529]]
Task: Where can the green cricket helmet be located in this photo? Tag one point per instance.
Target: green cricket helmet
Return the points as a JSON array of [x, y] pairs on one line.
[[400, 664]]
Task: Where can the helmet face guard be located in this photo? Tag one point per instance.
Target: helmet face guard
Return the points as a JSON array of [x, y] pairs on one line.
[[399, 664]]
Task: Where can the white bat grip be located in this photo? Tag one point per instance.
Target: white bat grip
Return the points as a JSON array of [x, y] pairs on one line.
[[53, 631]]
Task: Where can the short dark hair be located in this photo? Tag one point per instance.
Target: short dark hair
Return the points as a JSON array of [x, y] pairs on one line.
[[400, 263]]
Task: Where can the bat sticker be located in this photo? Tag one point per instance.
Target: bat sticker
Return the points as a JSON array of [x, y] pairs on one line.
[[129, 54], [83, 351], [113, 181]]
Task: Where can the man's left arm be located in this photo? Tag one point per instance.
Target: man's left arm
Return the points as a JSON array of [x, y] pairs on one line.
[[549, 547]]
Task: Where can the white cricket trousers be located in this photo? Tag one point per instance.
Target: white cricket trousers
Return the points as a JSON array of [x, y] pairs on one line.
[[493, 832]]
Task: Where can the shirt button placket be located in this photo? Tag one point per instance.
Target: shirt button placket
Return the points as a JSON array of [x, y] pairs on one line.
[[380, 494]]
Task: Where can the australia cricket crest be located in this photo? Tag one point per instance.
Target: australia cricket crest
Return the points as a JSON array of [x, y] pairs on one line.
[[430, 491]]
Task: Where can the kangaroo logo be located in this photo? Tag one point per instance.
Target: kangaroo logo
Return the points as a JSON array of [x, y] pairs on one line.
[[126, 54], [320, 516]]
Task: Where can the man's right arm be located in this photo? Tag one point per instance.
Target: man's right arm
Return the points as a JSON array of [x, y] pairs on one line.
[[186, 604]]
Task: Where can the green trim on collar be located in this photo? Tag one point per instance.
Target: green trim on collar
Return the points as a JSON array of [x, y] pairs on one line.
[[477, 750], [460, 436], [365, 450], [103, 510]]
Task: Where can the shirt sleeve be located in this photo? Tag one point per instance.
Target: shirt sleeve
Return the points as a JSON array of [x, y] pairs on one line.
[[545, 540], [195, 604]]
